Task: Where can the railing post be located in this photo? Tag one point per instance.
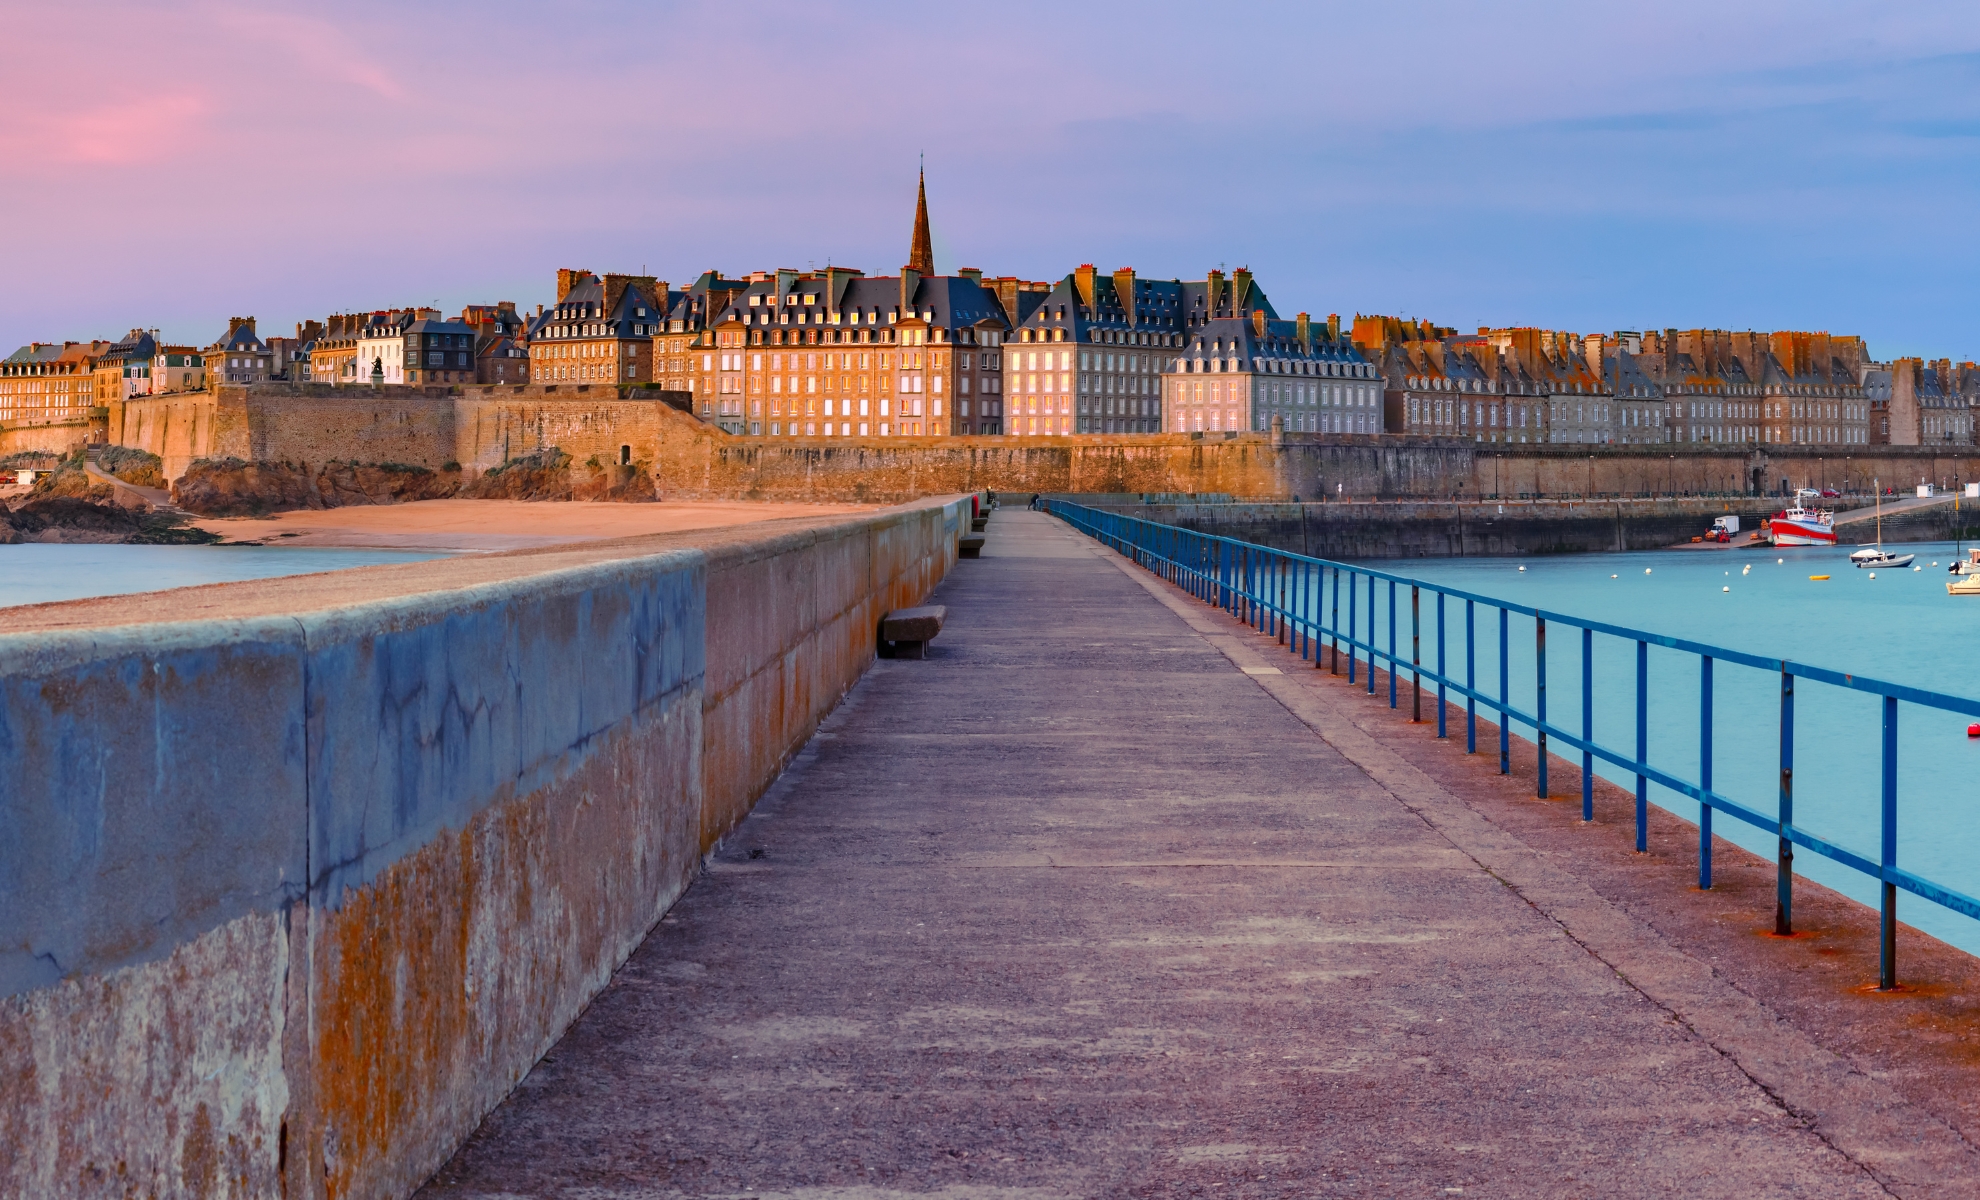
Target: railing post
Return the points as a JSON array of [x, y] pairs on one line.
[[1587, 724], [1540, 701], [1415, 654], [1505, 695], [1334, 624], [1353, 591], [1705, 772], [1470, 678], [1887, 956], [1784, 868], [1642, 746], [1372, 651], [1392, 643], [1442, 675]]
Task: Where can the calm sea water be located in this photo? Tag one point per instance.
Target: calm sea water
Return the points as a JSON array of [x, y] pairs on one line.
[[1901, 627], [39, 574]]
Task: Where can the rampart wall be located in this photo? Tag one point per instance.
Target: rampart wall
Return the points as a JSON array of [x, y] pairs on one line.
[[58, 437], [480, 427], [293, 893], [1445, 529]]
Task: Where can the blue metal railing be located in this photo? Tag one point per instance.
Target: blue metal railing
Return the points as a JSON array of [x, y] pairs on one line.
[[1287, 595]]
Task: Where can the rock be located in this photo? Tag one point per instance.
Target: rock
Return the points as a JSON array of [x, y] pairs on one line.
[[341, 484], [64, 518], [139, 467], [550, 474], [232, 487]]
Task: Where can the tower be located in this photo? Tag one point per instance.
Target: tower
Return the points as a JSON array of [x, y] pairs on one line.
[[921, 256]]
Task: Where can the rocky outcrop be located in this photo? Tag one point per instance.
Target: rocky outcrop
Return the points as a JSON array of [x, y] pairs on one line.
[[232, 487], [63, 518], [70, 479], [550, 474], [132, 465]]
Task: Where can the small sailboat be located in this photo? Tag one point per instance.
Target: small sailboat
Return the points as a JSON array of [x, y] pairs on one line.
[[1875, 555]]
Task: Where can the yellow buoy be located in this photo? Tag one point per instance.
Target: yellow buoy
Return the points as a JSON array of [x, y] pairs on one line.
[[1818, 576]]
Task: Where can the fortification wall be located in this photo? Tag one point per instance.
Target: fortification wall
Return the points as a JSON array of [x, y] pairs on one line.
[[58, 437], [480, 427], [292, 895], [1430, 529]]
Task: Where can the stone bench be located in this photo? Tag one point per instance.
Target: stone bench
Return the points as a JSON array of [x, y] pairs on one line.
[[906, 632], [976, 524], [969, 545]]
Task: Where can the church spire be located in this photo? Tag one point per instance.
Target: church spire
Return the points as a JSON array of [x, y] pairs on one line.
[[921, 257]]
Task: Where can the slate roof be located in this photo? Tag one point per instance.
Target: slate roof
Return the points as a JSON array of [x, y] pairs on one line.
[[943, 301]]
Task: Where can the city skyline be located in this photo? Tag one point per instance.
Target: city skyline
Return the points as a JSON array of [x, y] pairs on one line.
[[1771, 167]]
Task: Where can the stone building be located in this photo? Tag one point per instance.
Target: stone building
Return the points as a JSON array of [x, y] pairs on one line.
[[46, 382], [1436, 383], [1811, 392], [1239, 373], [836, 353], [124, 370], [381, 344], [501, 342], [439, 351], [241, 356], [1638, 398], [686, 324], [1710, 395], [1928, 404], [1088, 353], [177, 369], [600, 330], [333, 358]]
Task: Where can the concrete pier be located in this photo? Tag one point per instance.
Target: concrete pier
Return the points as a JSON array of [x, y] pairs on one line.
[[1107, 896]]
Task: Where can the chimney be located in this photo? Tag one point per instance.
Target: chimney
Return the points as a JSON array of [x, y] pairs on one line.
[[567, 278], [1905, 424], [910, 287], [1124, 291], [1591, 349], [1306, 333], [1258, 322], [1083, 283], [1334, 326], [973, 274], [1211, 302], [1240, 289]]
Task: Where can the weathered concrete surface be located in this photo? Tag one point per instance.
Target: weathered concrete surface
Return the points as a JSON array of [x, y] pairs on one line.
[[301, 876], [1075, 907]]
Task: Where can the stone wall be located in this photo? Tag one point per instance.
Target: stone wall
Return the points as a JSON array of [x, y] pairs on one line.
[[479, 427], [58, 437], [1430, 529], [293, 894]]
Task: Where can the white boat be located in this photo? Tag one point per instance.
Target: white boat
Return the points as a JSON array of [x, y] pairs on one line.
[[1970, 565], [1800, 525], [1963, 585], [1875, 555]]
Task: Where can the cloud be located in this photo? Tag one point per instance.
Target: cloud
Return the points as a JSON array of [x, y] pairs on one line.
[[120, 134]]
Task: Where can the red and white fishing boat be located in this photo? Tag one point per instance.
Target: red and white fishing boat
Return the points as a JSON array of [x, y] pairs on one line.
[[1800, 525]]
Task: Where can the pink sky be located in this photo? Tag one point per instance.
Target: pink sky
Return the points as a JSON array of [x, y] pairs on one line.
[[1574, 166]]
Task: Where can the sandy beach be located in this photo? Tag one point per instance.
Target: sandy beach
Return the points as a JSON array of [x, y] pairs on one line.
[[482, 525]]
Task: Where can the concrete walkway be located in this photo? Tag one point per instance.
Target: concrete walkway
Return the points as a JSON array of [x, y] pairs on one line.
[[1076, 907]]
